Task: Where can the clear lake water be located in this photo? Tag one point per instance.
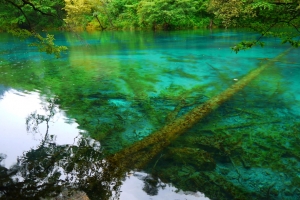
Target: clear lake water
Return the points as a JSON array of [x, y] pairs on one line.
[[110, 118]]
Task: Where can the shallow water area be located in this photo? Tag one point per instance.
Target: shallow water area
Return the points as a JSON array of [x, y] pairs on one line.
[[119, 115]]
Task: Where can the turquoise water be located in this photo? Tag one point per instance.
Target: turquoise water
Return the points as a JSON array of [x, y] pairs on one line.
[[81, 122]]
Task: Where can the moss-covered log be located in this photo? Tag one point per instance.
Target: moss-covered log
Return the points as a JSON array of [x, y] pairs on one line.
[[144, 150]]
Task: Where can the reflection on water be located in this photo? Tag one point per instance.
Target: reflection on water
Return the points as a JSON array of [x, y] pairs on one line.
[[52, 166], [173, 108], [15, 107]]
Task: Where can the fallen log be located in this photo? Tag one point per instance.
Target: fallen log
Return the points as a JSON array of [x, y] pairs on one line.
[[140, 153]]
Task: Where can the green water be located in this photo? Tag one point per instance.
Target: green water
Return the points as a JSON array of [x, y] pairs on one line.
[[113, 89]]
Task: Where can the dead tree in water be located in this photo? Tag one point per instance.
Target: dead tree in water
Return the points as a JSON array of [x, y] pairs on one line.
[[141, 152]]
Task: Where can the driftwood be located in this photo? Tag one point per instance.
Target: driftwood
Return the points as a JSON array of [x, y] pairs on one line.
[[141, 152]]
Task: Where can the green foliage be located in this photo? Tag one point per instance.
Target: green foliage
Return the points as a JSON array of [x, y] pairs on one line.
[[47, 45], [261, 5], [76, 11], [24, 19], [20, 33], [228, 11], [31, 15], [168, 14], [155, 14], [269, 18], [244, 45]]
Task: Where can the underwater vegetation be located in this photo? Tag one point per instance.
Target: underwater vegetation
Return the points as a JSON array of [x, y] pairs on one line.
[[243, 147], [242, 143]]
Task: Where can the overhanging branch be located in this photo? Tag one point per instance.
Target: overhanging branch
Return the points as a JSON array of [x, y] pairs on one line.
[[19, 7], [25, 2]]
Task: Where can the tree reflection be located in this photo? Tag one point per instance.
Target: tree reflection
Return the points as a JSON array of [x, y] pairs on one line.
[[225, 156], [50, 168], [152, 185], [34, 119]]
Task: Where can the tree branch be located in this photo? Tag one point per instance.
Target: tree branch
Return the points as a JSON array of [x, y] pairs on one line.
[[26, 2], [19, 7]]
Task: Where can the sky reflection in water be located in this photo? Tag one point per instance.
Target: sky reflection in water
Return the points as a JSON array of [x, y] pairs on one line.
[[15, 107]]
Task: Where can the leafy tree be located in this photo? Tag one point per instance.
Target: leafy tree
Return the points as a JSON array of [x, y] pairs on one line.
[[127, 13], [276, 18], [77, 10], [81, 12], [116, 14], [24, 18], [106, 12], [167, 13]]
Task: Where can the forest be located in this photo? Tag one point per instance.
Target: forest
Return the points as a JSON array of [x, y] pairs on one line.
[[27, 18]]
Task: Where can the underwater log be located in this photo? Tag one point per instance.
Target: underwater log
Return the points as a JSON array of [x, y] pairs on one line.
[[141, 152]]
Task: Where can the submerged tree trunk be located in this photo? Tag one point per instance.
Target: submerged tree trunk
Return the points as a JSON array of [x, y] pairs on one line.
[[141, 152]]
